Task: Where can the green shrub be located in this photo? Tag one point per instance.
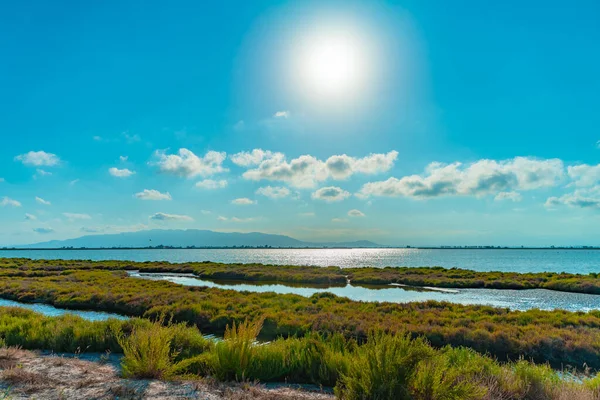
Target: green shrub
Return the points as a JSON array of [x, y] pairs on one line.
[[438, 378], [535, 381], [310, 359], [593, 384], [381, 368], [148, 351], [233, 356]]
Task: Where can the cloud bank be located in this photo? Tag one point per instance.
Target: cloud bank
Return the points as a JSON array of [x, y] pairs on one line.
[[481, 178], [151, 194], [330, 194], [120, 173], [307, 171], [186, 164], [38, 159], [7, 201], [170, 217]]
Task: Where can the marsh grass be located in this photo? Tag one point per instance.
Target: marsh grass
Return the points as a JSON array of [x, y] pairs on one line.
[[385, 367], [159, 350], [332, 276], [235, 354], [381, 368], [104, 286]]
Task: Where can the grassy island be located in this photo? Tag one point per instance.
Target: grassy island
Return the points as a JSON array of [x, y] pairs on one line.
[[328, 276]]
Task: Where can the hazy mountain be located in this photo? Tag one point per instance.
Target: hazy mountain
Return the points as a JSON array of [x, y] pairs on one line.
[[190, 237]]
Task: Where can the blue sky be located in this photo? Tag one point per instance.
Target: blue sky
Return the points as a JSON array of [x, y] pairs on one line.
[[415, 122]]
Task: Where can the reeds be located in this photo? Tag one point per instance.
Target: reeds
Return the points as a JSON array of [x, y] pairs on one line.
[[385, 367]]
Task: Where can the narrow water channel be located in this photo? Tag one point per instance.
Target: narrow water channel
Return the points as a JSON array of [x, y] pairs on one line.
[[514, 299], [52, 311]]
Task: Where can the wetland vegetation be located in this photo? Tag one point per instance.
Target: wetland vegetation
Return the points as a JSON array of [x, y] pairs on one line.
[[366, 350], [333, 276], [570, 338], [384, 366]]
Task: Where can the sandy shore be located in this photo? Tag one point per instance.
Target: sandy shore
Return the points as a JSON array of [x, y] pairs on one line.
[[26, 375]]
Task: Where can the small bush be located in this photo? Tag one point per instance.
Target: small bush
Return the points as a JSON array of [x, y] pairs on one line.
[[148, 352], [381, 368], [233, 356], [535, 381], [438, 379]]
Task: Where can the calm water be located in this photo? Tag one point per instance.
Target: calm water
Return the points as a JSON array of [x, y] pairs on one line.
[[51, 311], [575, 261], [513, 299]]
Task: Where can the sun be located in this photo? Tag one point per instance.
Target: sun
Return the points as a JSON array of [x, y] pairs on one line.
[[332, 64]]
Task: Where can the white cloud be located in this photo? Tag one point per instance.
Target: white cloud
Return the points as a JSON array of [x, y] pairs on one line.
[[151, 194], [343, 166], [282, 114], [7, 201], [76, 216], [512, 196], [480, 178], [307, 171], [254, 157], [210, 184], [330, 194], [244, 220], [41, 172], [582, 198], [339, 220], [43, 231], [303, 172], [42, 201], [120, 173], [243, 201], [30, 217], [123, 158], [114, 228], [170, 217], [38, 159], [189, 165], [236, 219], [584, 174], [74, 181], [355, 213], [273, 192]]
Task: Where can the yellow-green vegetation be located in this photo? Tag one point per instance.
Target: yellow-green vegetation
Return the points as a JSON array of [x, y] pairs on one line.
[[205, 270], [384, 367], [72, 334], [557, 337], [463, 278], [328, 276]]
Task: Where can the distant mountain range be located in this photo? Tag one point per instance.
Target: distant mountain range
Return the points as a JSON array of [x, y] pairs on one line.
[[190, 238]]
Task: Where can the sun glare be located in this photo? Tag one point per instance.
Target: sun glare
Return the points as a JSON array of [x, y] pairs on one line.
[[332, 64]]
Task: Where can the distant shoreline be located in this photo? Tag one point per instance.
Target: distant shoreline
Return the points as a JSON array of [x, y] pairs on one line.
[[292, 248]]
